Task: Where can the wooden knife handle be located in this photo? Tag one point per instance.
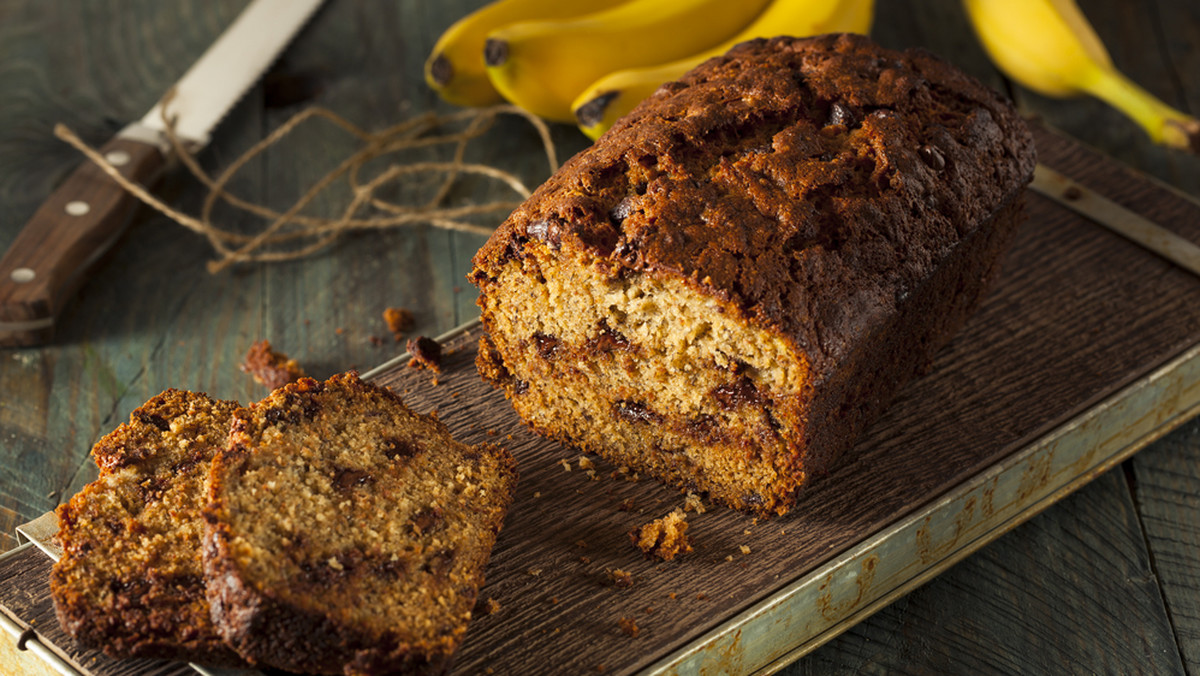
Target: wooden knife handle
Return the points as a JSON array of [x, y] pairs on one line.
[[80, 220]]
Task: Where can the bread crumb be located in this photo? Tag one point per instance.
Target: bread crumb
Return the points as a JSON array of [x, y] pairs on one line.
[[663, 538], [536, 572], [339, 330], [537, 494], [566, 464], [585, 463], [671, 596], [581, 543], [626, 505], [629, 626], [619, 578], [692, 503], [744, 549], [554, 600], [426, 353], [729, 557], [399, 321], [269, 367], [491, 606]]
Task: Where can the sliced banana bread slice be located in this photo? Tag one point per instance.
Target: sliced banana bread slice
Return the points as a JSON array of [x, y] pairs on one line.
[[130, 580], [346, 533]]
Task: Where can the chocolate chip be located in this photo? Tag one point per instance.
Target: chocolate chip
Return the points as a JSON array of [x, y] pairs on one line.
[[621, 210], [439, 563], [738, 393], [635, 412], [607, 339], [546, 230], [394, 448], [932, 157], [427, 520], [547, 346], [345, 478], [153, 419], [841, 115]]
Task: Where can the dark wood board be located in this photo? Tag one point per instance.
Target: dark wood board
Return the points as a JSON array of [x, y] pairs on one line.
[[1077, 314]]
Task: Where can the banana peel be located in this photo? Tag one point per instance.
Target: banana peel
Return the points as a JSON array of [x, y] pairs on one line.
[[1050, 47]]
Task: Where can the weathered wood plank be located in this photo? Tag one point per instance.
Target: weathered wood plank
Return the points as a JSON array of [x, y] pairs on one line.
[[1165, 490], [1070, 591]]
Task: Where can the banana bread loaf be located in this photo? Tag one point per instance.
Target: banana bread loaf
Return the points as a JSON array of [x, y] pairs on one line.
[[346, 533], [130, 580], [734, 280]]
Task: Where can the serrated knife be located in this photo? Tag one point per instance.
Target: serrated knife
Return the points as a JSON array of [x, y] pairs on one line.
[[82, 218]]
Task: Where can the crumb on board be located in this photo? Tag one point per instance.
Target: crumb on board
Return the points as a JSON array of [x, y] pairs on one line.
[[399, 321], [491, 606], [621, 579], [744, 549], [586, 462], [536, 572], [629, 626], [626, 505], [269, 367], [426, 353], [663, 538], [693, 503], [566, 464]]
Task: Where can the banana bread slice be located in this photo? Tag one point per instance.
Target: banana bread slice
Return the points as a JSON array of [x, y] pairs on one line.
[[130, 580], [735, 279], [346, 533]]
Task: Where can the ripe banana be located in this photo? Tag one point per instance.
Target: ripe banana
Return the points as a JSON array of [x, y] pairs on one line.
[[542, 66], [454, 68], [615, 94], [1049, 46]]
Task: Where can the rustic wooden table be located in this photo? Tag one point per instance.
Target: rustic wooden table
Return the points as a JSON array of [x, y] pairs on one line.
[[1107, 580]]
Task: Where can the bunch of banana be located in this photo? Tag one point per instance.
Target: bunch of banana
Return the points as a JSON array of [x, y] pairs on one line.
[[1049, 46], [455, 69], [614, 95], [542, 66]]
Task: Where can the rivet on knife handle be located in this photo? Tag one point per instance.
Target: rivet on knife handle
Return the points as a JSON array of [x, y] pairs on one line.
[[81, 219]]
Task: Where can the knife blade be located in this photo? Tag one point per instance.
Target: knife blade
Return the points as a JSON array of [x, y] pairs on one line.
[[84, 216]]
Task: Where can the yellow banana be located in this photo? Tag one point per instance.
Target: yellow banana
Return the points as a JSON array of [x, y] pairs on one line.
[[615, 94], [542, 66], [454, 68], [1049, 47]]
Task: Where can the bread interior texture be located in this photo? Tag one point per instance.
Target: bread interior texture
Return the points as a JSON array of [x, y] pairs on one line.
[[650, 373]]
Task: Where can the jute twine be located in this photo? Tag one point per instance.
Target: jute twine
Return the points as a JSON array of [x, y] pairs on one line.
[[303, 235]]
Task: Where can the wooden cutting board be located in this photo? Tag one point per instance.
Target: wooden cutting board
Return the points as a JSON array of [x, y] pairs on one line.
[[1088, 348]]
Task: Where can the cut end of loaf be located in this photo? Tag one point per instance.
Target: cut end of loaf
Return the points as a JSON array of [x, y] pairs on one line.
[[649, 372]]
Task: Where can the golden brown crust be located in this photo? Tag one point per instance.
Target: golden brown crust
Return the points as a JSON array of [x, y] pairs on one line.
[[130, 579], [348, 534], [840, 205]]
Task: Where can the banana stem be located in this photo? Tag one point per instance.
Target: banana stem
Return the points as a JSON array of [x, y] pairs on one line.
[[1165, 125]]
